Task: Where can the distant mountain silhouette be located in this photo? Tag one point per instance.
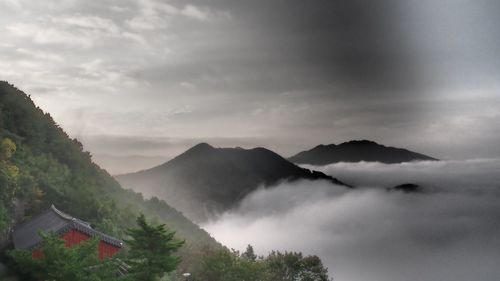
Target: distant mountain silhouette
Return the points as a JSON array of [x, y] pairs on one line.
[[407, 188], [356, 151], [204, 180]]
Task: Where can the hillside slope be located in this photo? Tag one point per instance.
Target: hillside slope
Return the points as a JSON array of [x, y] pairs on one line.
[[356, 151], [204, 180], [40, 165]]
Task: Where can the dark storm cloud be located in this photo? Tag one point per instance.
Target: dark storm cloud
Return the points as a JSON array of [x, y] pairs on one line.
[[347, 41], [377, 48], [323, 44], [450, 232]]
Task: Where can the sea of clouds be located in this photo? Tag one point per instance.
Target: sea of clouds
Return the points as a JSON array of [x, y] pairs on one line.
[[450, 231]]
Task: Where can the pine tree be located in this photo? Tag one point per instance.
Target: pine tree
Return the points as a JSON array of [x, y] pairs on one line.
[[151, 249], [249, 254]]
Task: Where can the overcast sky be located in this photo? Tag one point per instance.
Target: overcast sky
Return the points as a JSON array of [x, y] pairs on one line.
[[140, 81]]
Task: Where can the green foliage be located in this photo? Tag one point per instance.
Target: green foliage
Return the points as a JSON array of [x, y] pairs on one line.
[[9, 172], [4, 217], [9, 180], [292, 266], [225, 265], [249, 254], [151, 249], [41, 166], [7, 149], [60, 263]]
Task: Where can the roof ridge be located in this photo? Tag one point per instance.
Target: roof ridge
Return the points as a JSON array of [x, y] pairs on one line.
[[68, 216], [83, 226], [26, 236], [79, 224], [61, 213]]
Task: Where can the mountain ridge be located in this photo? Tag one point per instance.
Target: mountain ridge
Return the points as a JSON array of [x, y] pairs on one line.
[[215, 179], [356, 151]]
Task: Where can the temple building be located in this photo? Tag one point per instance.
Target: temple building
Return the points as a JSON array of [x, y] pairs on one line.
[[70, 229]]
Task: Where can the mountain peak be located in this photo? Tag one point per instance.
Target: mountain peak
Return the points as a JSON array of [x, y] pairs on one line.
[[202, 146], [359, 142], [205, 181], [356, 151]]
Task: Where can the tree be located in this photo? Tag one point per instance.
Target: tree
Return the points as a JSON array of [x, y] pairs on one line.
[[292, 266], [226, 265], [7, 149], [4, 218], [9, 177], [9, 173], [60, 263], [151, 249], [249, 254]]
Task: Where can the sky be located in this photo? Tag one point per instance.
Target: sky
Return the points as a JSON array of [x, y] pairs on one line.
[[448, 232], [138, 82]]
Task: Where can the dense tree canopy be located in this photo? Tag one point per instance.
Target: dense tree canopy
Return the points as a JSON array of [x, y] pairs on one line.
[[292, 266], [9, 179], [225, 265]]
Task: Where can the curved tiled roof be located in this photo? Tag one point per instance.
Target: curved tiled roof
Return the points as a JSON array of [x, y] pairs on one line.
[[26, 236]]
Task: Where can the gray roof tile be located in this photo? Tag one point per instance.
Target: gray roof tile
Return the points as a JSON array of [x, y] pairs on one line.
[[26, 236]]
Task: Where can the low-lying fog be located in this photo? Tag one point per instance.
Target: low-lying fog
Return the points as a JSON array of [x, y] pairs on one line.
[[451, 231]]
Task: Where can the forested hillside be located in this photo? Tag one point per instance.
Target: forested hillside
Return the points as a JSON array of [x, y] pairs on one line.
[[40, 165]]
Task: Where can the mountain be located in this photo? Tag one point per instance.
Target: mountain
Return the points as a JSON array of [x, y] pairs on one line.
[[204, 180], [407, 188], [40, 165], [356, 151]]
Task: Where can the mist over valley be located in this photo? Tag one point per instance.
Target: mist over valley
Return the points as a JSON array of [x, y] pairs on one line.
[[447, 232]]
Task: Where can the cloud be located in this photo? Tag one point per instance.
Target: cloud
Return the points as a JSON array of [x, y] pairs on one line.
[[40, 55], [125, 164], [87, 22], [195, 13], [156, 15], [440, 175], [413, 74], [16, 4], [450, 232], [75, 30], [51, 35]]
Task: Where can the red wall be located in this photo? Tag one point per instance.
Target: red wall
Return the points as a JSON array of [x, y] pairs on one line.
[[74, 237], [106, 250]]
